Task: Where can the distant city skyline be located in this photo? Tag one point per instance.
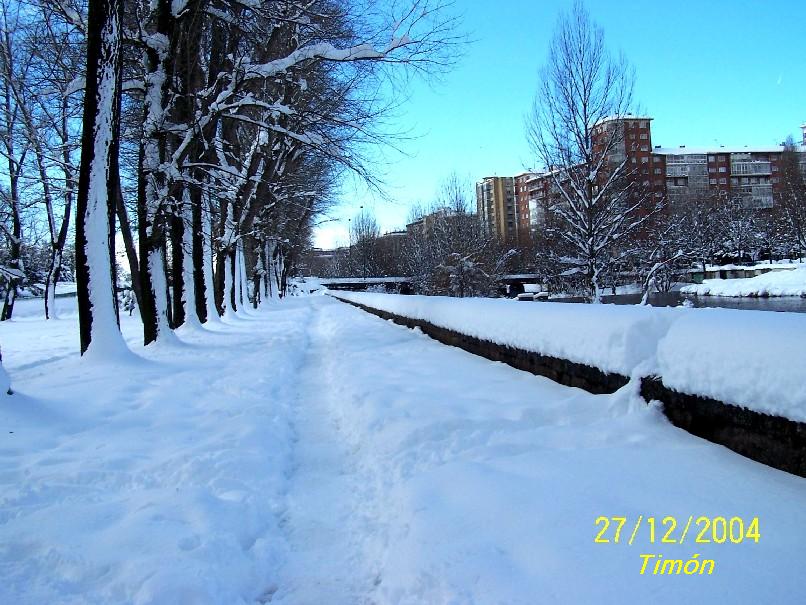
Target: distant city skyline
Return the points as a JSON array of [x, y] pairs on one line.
[[725, 73]]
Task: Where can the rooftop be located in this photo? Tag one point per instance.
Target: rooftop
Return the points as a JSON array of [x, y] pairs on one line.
[[626, 116], [727, 149]]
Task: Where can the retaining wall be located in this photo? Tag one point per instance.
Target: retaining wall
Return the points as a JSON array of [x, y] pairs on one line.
[[772, 440]]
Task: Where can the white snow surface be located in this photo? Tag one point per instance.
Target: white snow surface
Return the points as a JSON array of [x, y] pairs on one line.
[[311, 453], [789, 282], [613, 338], [754, 359]]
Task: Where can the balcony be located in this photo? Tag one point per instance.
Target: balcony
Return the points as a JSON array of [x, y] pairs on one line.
[[677, 170], [750, 168]]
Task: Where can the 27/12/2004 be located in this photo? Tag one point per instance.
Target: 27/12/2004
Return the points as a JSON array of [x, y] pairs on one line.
[[667, 530]]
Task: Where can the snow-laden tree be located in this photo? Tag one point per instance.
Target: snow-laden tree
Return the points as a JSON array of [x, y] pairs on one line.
[[702, 227], [460, 276], [791, 198], [14, 147], [236, 99], [48, 110], [239, 121], [447, 252], [98, 182], [576, 131], [659, 259], [739, 228]]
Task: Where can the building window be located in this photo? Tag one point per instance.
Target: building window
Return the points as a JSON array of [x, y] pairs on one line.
[[644, 160], [644, 147], [734, 180], [712, 169], [712, 181], [711, 158], [775, 179], [643, 124], [723, 181], [634, 161], [722, 158], [658, 171], [722, 169], [644, 136]]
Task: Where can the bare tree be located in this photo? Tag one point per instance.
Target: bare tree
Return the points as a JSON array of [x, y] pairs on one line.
[[576, 130], [364, 245]]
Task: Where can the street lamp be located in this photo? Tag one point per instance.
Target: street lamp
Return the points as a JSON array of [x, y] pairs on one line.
[[350, 245], [363, 246]]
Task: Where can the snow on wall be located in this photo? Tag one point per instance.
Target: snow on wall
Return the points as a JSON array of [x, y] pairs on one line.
[[612, 338], [755, 359], [749, 358]]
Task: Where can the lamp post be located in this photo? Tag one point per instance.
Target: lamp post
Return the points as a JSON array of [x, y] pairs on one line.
[[349, 245], [363, 247]]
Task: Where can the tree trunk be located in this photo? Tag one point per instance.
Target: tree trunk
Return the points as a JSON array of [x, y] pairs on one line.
[[178, 263], [198, 254], [128, 245], [97, 308]]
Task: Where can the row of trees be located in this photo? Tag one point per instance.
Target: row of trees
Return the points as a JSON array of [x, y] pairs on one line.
[[444, 251], [206, 134]]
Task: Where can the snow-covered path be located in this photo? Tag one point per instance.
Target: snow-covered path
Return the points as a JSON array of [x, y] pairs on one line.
[[323, 521], [312, 453]]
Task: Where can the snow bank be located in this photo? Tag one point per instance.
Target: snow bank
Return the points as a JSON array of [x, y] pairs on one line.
[[754, 359], [612, 338], [789, 282]]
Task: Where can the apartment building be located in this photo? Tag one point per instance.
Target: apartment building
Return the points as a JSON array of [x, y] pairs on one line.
[[496, 207], [533, 192], [750, 174], [677, 174]]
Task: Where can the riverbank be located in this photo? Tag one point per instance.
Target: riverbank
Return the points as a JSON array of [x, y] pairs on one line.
[[790, 282]]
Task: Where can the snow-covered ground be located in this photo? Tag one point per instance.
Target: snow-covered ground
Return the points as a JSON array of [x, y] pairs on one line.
[[789, 282], [312, 453]]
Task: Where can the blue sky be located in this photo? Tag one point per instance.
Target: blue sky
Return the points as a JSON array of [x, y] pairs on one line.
[[717, 72]]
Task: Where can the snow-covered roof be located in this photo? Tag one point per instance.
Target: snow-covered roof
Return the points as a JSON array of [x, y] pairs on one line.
[[623, 117], [713, 150]]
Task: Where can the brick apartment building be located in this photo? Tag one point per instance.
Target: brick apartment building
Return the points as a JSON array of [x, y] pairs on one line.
[[677, 174], [496, 207]]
